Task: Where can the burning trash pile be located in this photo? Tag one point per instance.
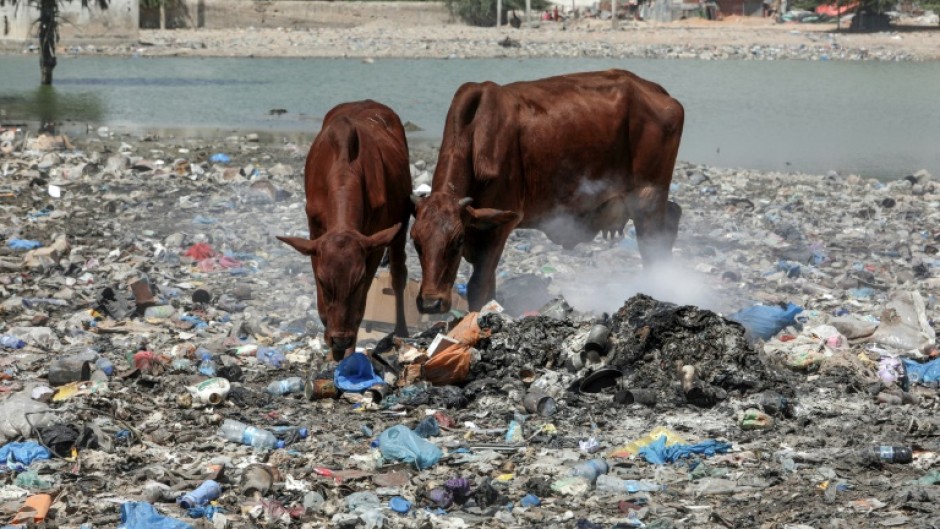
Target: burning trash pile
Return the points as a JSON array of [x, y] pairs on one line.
[[172, 373]]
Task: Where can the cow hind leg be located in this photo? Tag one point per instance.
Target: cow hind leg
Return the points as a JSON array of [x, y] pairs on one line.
[[399, 272]]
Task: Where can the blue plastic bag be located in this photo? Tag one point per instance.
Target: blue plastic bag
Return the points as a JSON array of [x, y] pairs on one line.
[[142, 515], [923, 374], [23, 244], [220, 158], [399, 443], [355, 374], [22, 453], [658, 453], [765, 321], [428, 428]]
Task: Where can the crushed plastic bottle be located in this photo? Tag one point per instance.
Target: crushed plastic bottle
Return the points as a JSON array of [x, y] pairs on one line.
[[257, 438], [270, 357], [8, 341], [612, 484], [590, 470], [288, 385]]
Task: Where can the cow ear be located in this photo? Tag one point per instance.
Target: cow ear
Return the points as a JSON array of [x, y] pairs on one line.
[[304, 246], [382, 238], [488, 218]]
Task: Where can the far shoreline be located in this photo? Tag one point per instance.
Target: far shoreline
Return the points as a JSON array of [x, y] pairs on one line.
[[735, 38]]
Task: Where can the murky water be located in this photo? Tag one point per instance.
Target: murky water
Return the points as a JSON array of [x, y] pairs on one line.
[[874, 119]]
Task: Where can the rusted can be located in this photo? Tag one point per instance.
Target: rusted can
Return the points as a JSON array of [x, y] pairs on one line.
[[377, 392], [320, 388], [66, 370], [539, 403]]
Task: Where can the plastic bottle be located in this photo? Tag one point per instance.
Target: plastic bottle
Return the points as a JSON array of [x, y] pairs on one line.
[[288, 385], [239, 432], [590, 470], [207, 367], [182, 364], [270, 356], [612, 484], [208, 491], [8, 341], [285, 432], [887, 454], [105, 366]]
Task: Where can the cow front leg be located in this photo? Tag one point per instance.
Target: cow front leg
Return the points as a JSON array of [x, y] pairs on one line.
[[656, 230], [482, 286], [399, 271]]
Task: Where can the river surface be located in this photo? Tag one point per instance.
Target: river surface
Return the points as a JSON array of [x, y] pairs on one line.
[[870, 118]]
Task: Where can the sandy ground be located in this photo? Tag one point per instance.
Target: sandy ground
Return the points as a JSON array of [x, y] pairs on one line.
[[732, 38]]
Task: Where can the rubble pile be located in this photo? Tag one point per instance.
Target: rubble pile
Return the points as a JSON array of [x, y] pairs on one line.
[[161, 360]]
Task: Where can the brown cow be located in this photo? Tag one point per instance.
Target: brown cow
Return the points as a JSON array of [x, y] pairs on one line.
[[569, 155], [358, 186]]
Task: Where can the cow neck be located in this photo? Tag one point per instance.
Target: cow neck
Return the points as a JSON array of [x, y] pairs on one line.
[[347, 206]]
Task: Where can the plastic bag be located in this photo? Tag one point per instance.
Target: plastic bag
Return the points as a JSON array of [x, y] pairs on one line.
[[658, 453], [24, 453], [399, 443], [633, 448], [924, 374], [355, 374], [450, 366], [142, 515], [13, 412], [468, 330], [765, 321]]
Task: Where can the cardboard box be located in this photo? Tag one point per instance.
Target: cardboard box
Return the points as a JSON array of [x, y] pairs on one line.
[[380, 306]]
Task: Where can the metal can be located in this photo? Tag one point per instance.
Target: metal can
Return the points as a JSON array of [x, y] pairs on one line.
[[320, 388]]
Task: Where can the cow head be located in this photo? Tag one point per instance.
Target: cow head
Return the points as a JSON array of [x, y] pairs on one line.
[[440, 226], [339, 266]]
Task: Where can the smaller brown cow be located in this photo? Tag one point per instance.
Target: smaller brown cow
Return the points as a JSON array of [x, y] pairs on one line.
[[358, 188]]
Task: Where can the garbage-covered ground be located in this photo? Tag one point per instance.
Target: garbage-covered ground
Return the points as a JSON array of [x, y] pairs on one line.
[[151, 264]]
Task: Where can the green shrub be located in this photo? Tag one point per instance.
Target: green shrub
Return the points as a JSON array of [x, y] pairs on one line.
[[483, 12]]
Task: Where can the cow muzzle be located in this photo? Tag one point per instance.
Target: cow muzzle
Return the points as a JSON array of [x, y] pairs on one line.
[[433, 304], [340, 343]]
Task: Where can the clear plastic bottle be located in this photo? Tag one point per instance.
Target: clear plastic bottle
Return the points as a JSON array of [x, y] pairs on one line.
[[207, 367], [257, 438], [288, 385], [887, 454], [612, 484], [590, 470], [270, 356], [104, 365], [8, 341]]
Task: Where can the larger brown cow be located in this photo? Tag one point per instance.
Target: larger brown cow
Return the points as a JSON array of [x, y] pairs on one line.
[[569, 155], [358, 186]]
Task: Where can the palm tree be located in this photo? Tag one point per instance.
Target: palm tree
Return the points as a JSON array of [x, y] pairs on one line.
[[49, 31]]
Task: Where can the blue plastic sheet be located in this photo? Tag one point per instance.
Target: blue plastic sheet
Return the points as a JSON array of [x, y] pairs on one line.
[[23, 244], [19, 455], [399, 443], [658, 453], [924, 374], [355, 374], [142, 515], [765, 321]]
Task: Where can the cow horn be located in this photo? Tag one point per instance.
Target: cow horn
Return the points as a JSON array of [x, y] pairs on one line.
[[465, 201]]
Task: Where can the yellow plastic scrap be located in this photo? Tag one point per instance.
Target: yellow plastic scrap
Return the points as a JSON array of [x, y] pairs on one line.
[[632, 448], [78, 389], [549, 429], [505, 477]]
